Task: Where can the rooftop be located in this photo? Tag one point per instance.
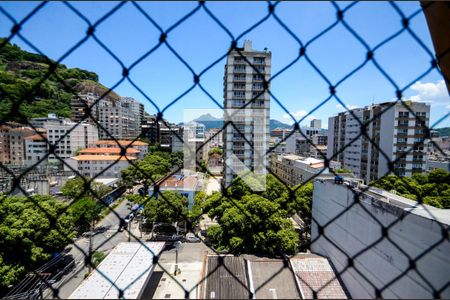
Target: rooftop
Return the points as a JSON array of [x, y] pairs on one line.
[[316, 278], [127, 267], [225, 278], [121, 142], [102, 157], [188, 182], [108, 150], [312, 162], [107, 181], [237, 277], [272, 278], [36, 137]]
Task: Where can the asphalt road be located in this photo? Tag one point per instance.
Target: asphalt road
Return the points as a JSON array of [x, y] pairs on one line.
[[104, 242]]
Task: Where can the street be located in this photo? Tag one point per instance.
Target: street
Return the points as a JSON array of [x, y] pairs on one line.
[[104, 242], [190, 255]]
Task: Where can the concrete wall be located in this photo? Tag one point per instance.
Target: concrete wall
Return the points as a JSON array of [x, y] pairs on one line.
[[383, 262]]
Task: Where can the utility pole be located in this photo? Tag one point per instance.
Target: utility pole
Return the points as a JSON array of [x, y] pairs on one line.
[[177, 246], [90, 245], [129, 230]]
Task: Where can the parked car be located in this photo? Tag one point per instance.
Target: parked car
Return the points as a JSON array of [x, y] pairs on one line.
[[87, 234], [191, 238], [338, 179], [167, 238], [101, 229]]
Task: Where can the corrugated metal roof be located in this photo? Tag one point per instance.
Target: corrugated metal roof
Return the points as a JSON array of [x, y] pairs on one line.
[[127, 268], [226, 278]]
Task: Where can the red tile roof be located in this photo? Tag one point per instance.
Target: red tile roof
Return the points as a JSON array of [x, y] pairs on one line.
[[187, 182], [108, 150], [36, 137], [103, 157]]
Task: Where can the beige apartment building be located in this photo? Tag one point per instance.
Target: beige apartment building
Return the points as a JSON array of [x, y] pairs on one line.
[[36, 147], [293, 169]]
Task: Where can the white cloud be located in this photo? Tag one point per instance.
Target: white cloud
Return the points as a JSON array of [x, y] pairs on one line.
[[434, 93], [349, 106], [297, 115]]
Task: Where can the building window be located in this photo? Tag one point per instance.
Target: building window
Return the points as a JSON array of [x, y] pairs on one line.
[[258, 77], [260, 68], [239, 94], [239, 68], [259, 60], [239, 85], [239, 77], [404, 114], [257, 86]]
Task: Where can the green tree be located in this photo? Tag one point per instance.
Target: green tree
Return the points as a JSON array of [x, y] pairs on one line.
[[171, 207], [80, 187], [31, 229], [20, 70], [149, 170], [343, 171], [257, 222], [432, 188], [135, 198], [215, 151], [257, 225], [85, 212], [97, 257]]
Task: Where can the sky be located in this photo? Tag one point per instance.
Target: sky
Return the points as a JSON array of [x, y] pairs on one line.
[[200, 41]]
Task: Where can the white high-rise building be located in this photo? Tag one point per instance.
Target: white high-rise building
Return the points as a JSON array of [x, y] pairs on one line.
[[136, 107], [244, 86], [68, 137], [315, 123], [120, 117], [392, 128]]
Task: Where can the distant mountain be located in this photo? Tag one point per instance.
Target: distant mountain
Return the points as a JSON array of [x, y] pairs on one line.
[[277, 124], [212, 122], [444, 131], [207, 117]]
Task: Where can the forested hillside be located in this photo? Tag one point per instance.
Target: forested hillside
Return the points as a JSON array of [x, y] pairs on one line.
[[21, 89]]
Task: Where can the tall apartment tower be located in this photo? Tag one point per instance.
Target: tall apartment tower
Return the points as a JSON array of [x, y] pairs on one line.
[[244, 85], [120, 117], [394, 129], [315, 123]]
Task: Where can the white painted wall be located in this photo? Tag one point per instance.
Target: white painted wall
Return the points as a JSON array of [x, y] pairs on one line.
[[356, 229]]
